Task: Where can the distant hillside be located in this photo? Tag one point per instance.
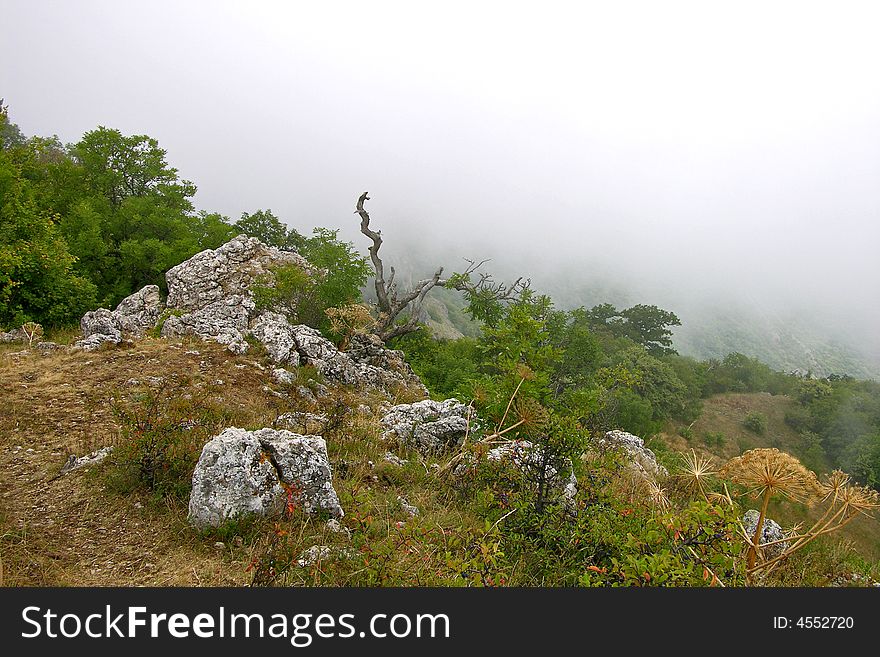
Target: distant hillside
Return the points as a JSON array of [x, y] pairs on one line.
[[720, 431]]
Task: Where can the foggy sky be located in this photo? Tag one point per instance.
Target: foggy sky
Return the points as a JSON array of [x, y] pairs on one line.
[[689, 150]]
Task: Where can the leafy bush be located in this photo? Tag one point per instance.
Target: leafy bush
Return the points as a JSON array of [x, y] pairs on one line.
[[305, 297], [714, 439], [161, 438], [756, 423]]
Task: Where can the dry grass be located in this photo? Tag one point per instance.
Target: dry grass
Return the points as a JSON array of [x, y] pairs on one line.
[[74, 531], [67, 531]]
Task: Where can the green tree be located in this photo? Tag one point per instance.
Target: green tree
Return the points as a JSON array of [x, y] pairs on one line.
[[37, 279], [649, 327], [269, 229], [118, 167]]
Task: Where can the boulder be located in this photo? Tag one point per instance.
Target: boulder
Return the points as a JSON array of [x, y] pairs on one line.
[[641, 459], [253, 472], [316, 350], [302, 345], [212, 290], [134, 316], [139, 312], [276, 334], [428, 426], [770, 532], [381, 367]]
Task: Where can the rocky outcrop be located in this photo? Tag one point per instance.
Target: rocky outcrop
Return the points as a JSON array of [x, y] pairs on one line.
[[367, 363], [134, 316], [428, 426], [640, 459], [211, 292], [381, 367], [276, 334], [528, 458], [770, 532], [210, 295], [256, 472]]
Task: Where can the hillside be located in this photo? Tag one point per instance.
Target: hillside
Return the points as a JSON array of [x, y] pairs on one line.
[[83, 529], [720, 431]]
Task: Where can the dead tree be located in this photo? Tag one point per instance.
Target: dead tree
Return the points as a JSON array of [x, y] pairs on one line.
[[392, 303]]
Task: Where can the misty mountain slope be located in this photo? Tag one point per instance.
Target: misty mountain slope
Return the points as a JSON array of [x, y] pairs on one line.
[[713, 325]]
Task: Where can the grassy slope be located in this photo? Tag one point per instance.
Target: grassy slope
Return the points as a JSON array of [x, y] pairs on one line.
[[725, 414], [73, 530]]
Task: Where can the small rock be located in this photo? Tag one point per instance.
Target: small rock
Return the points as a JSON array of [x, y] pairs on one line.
[[220, 545], [333, 525], [394, 459], [409, 509], [74, 463]]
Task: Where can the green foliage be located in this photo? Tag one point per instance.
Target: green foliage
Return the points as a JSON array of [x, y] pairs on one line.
[[116, 167], [304, 296], [739, 373], [269, 229], [756, 423], [37, 277], [714, 439], [161, 437], [444, 366], [648, 326]]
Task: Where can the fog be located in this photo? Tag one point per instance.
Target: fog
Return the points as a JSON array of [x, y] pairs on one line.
[[692, 155]]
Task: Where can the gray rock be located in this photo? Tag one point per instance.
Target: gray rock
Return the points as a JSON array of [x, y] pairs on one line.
[[134, 316], [212, 290], [302, 422], [642, 460], [306, 394], [409, 509], [381, 367], [96, 340], [393, 459], [283, 376], [139, 312], [770, 532], [74, 463], [48, 346], [318, 553], [428, 426], [276, 334], [228, 271], [243, 472], [317, 351], [336, 527]]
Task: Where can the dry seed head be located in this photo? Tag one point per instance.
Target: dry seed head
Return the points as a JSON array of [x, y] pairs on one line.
[[696, 472], [768, 469], [658, 496], [834, 484], [532, 414], [859, 499], [525, 372]]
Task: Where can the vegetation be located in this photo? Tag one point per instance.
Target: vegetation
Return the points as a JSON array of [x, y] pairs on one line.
[[88, 223]]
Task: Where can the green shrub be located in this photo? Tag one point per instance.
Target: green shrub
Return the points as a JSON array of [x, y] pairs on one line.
[[756, 423], [714, 439], [161, 438]]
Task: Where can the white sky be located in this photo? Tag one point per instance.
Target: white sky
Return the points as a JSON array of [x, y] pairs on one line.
[[699, 146]]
